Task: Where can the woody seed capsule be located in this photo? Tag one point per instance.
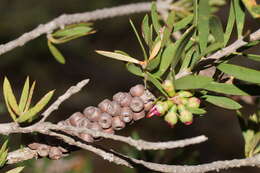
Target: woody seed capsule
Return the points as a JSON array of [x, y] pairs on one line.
[[43, 150], [86, 137], [92, 113], [138, 115], [117, 123], [126, 115], [109, 130], [105, 120], [55, 153], [137, 90], [136, 104], [94, 126], [84, 123], [123, 98], [75, 118]]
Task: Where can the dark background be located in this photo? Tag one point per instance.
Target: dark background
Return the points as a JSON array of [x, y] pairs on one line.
[[107, 77]]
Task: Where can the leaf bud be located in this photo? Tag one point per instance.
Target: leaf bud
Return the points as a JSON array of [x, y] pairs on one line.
[[126, 114], [181, 108], [184, 94], [194, 102], [174, 108], [92, 113], [138, 115], [148, 105], [186, 117], [117, 123], [105, 120], [76, 118], [184, 100], [136, 104], [55, 153], [169, 87], [137, 90], [171, 118], [159, 109]]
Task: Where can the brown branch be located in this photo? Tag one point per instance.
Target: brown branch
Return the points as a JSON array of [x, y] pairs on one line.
[[72, 90], [67, 19]]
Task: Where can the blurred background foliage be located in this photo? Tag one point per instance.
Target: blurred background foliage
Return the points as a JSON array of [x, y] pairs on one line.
[[107, 77]]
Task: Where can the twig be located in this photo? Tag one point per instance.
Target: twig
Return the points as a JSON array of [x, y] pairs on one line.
[[72, 90], [67, 19]]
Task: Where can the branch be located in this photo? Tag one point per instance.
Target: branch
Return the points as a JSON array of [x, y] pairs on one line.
[[67, 19], [72, 90]]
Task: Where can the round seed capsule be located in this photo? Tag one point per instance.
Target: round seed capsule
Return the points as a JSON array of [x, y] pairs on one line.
[[75, 118], [109, 130], [64, 123], [105, 120], [137, 90], [92, 113], [126, 114], [86, 137], [123, 98], [43, 150], [147, 97], [55, 153], [138, 115], [117, 123], [136, 104], [94, 126], [84, 123]]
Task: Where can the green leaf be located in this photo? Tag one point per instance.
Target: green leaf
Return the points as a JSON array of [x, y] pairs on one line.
[[216, 29], [75, 29], [3, 157], [154, 63], [172, 53], [168, 28], [139, 39], [252, 7], [254, 143], [252, 56], [4, 147], [11, 100], [187, 59], [223, 102], [196, 110], [240, 17], [155, 18], [156, 83], [248, 136], [136, 70], [183, 23], [224, 88], [29, 100], [230, 24], [16, 170], [242, 73], [118, 56], [24, 95], [56, 53], [192, 82], [155, 50], [146, 32], [203, 23], [37, 108]]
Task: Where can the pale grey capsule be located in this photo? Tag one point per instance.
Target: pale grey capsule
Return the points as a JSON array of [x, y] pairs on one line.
[[43, 150], [117, 123], [84, 122], [138, 115], [137, 90], [123, 98], [92, 113], [75, 118], [109, 130], [126, 114], [105, 120], [147, 97], [136, 104]]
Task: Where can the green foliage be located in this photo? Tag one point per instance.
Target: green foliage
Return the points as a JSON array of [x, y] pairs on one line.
[[3, 153], [16, 170], [223, 102], [23, 112]]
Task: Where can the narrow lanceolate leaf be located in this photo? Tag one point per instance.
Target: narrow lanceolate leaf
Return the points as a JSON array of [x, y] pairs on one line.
[[183, 23], [11, 100], [155, 18], [118, 56], [12, 114], [230, 24], [155, 50], [252, 56], [196, 110], [56, 53], [139, 39], [74, 29], [242, 73], [3, 147], [168, 28], [248, 136], [29, 100], [136, 70], [24, 95], [37, 108], [252, 7], [156, 83], [240, 17], [216, 29], [192, 82], [146, 32], [3, 157], [203, 23], [16, 170], [154, 63], [172, 53], [224, 88], [254, 144], [223, 102]]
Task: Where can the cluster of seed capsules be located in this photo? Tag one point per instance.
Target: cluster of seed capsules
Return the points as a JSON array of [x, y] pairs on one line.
[[109, 116], [177, 107]]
